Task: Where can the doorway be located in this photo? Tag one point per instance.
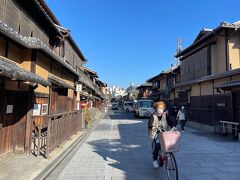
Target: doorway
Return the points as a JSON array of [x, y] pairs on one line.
[[13, 116]]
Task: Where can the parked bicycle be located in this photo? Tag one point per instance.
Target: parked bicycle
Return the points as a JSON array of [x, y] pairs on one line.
[[170, 143]]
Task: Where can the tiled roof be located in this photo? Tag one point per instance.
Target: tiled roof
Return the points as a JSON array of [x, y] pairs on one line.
[[9, 69], [173, 68]]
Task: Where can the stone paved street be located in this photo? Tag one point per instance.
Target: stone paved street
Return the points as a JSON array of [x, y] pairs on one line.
[[119, 148]]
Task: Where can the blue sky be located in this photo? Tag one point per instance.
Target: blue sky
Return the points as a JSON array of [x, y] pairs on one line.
[[131, 40]]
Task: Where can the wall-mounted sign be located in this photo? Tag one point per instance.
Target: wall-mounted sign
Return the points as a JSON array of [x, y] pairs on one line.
[[36, 109], [9, 109], [221, 104], [44, 109], [78, 87]]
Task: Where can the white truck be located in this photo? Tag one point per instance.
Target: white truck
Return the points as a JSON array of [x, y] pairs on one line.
[[144, 108]]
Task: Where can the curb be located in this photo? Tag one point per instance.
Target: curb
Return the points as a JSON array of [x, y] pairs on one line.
[[79, 141]]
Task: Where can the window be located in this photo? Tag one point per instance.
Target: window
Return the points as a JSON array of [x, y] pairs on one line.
[[145, 104], [156, 85], [62, 49]]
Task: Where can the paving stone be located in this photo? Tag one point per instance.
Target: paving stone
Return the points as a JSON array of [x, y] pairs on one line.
[[119, 149]]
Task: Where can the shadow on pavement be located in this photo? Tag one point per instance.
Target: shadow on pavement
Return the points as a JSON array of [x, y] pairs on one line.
[[128, 152], [212, 136], [122, 115]]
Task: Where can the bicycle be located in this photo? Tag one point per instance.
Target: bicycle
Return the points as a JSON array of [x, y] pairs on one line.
[[167, 158]]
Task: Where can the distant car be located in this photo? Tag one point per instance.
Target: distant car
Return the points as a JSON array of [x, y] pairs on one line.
[[114, 106], [128, 106], [144, 108]]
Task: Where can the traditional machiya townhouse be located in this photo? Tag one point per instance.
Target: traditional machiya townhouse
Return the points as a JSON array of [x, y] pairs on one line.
[[93, 93], [103, 87], [172, 77], [210, 76], [156, 93], [163, 85], [40, 66], [144, 90]]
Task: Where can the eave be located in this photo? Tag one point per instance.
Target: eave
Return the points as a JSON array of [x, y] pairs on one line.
[[10, 70], [229, 85], [210, 77]]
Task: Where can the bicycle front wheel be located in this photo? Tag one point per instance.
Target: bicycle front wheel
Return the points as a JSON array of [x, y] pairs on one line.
[[171, 167]]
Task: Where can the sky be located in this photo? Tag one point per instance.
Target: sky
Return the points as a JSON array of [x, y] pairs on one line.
[[132, 40]]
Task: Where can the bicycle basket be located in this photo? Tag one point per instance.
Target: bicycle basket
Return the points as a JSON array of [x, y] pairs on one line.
[[170, 141]]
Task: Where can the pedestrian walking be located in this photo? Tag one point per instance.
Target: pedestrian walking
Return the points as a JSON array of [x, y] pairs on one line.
[[181, 116], [173, 111], [159, 118]]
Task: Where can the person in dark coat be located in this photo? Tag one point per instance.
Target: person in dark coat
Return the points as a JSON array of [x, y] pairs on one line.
[[159, 119]]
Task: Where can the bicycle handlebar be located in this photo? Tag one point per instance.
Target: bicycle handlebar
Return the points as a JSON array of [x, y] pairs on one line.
[[162, 130]]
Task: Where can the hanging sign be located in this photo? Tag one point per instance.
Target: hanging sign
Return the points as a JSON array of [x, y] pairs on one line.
[[78, 87], [9, 109]]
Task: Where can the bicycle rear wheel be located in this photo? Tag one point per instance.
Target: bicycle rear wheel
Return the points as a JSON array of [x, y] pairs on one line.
[[171, 167]]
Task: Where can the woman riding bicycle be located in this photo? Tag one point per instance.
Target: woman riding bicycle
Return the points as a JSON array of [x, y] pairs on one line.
[[159, 119]]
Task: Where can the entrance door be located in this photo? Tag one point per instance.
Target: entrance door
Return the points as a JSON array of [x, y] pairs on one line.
[[13, 119], [236, 106]]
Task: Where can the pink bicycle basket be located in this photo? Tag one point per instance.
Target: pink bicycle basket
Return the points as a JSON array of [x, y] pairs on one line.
[[170, 141]]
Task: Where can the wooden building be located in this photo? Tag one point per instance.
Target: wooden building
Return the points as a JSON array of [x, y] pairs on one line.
[[103, 86], [40, 66], [163, 85], [210, 74], [96, 96], [144, 90], [156, 93]]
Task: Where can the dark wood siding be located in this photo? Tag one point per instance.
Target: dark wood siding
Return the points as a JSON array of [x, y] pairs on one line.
[[2, 9], [26, 24], [71, 56], [40, 34], [183, 98], [69, 53], [60, 101], [20, 21], [209, 61], [171, 82], [15, 17], [77, 61], [13, 129], [223, 112], [195, 66], [211, 109], [2, 46], [12, 15], [236, 106]]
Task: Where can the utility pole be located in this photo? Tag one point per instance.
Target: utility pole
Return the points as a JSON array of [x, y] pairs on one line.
[[178, 49]]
